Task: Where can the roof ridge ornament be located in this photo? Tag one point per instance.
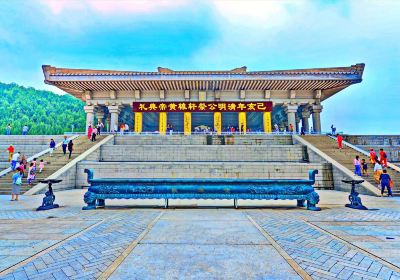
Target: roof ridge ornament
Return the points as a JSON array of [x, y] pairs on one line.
[[164, 70]]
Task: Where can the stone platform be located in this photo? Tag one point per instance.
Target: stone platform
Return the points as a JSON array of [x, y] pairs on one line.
[[130, 240]]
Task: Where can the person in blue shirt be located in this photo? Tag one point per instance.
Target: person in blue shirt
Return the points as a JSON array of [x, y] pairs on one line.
[[52, 146], [65, 144], [385, 183], [17, 182]]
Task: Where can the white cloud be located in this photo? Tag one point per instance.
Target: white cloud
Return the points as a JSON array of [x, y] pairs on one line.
[[109, 7]]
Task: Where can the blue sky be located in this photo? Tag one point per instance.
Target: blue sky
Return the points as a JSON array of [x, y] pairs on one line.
[[216, 34]]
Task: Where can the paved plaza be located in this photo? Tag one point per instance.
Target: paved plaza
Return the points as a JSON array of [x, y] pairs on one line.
[[261, 240]]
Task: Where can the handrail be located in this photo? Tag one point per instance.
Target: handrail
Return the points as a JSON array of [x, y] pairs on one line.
[[8, 170], [339, 166], [392, 166]]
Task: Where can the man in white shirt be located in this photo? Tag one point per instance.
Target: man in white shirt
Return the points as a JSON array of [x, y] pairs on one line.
[[14, 160], [25, 130]]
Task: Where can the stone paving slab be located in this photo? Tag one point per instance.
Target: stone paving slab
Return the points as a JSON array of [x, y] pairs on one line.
[[321, 255], [87, 255], [186, 261]]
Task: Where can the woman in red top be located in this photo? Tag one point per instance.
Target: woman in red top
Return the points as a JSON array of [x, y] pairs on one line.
[[339, 141], [89, 133]]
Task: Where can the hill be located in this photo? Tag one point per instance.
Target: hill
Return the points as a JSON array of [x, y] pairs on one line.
[[43, 111]]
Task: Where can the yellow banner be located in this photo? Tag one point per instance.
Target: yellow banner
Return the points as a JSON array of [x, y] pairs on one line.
[[163, 123], [267, 122], [242, 122], [187, 123], [218, 122], [138, 122]]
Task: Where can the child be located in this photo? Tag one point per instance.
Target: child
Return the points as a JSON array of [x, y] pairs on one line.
[[357, 166], [364, 167], [385, 181], [41, 165], [34, 163], [17, 182], [31, 173]]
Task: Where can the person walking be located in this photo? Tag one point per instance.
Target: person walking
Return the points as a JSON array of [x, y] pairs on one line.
[[372, 156], [357, 166], [25, 129], [64, 145], [339, 139], [52, 146], [16, 184], [70, 148], [385, 181], [14, 160], [8, 129], [41, 166], [364, 166], [383, 158], [122, 129], [377, 172], [10, 150]]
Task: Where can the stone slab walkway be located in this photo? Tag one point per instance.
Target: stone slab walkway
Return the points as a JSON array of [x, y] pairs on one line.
[[129, 240]]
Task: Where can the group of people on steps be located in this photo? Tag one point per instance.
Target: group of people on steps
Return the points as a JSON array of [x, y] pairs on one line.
[[378, 161], [19, 165]]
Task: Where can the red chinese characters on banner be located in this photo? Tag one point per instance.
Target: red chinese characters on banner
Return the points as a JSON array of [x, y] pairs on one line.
[[256, 106]]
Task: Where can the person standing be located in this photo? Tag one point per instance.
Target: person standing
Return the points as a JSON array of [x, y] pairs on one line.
[[14, 160], [31, 173], [8, 129], [100, 126], [25, 129], [52, 146], [339, 139], [89, 132], [122, 129], [70, 148], [357, 166], [333, 129], [385, 181], [383, 158], [16, 187], [94, 133], [126, 128], [10, 150], [64, 145]]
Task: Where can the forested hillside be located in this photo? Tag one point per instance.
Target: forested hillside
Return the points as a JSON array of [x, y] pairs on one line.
[[43, 111]]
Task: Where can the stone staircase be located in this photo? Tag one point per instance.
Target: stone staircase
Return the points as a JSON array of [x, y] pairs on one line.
[[204, 156], [346, 157], [52, 164]]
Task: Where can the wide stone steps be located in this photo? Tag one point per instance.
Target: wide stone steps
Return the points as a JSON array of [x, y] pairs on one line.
[[256, 170], [203, 140], [346, 157], [209, 153], [52, 164]]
